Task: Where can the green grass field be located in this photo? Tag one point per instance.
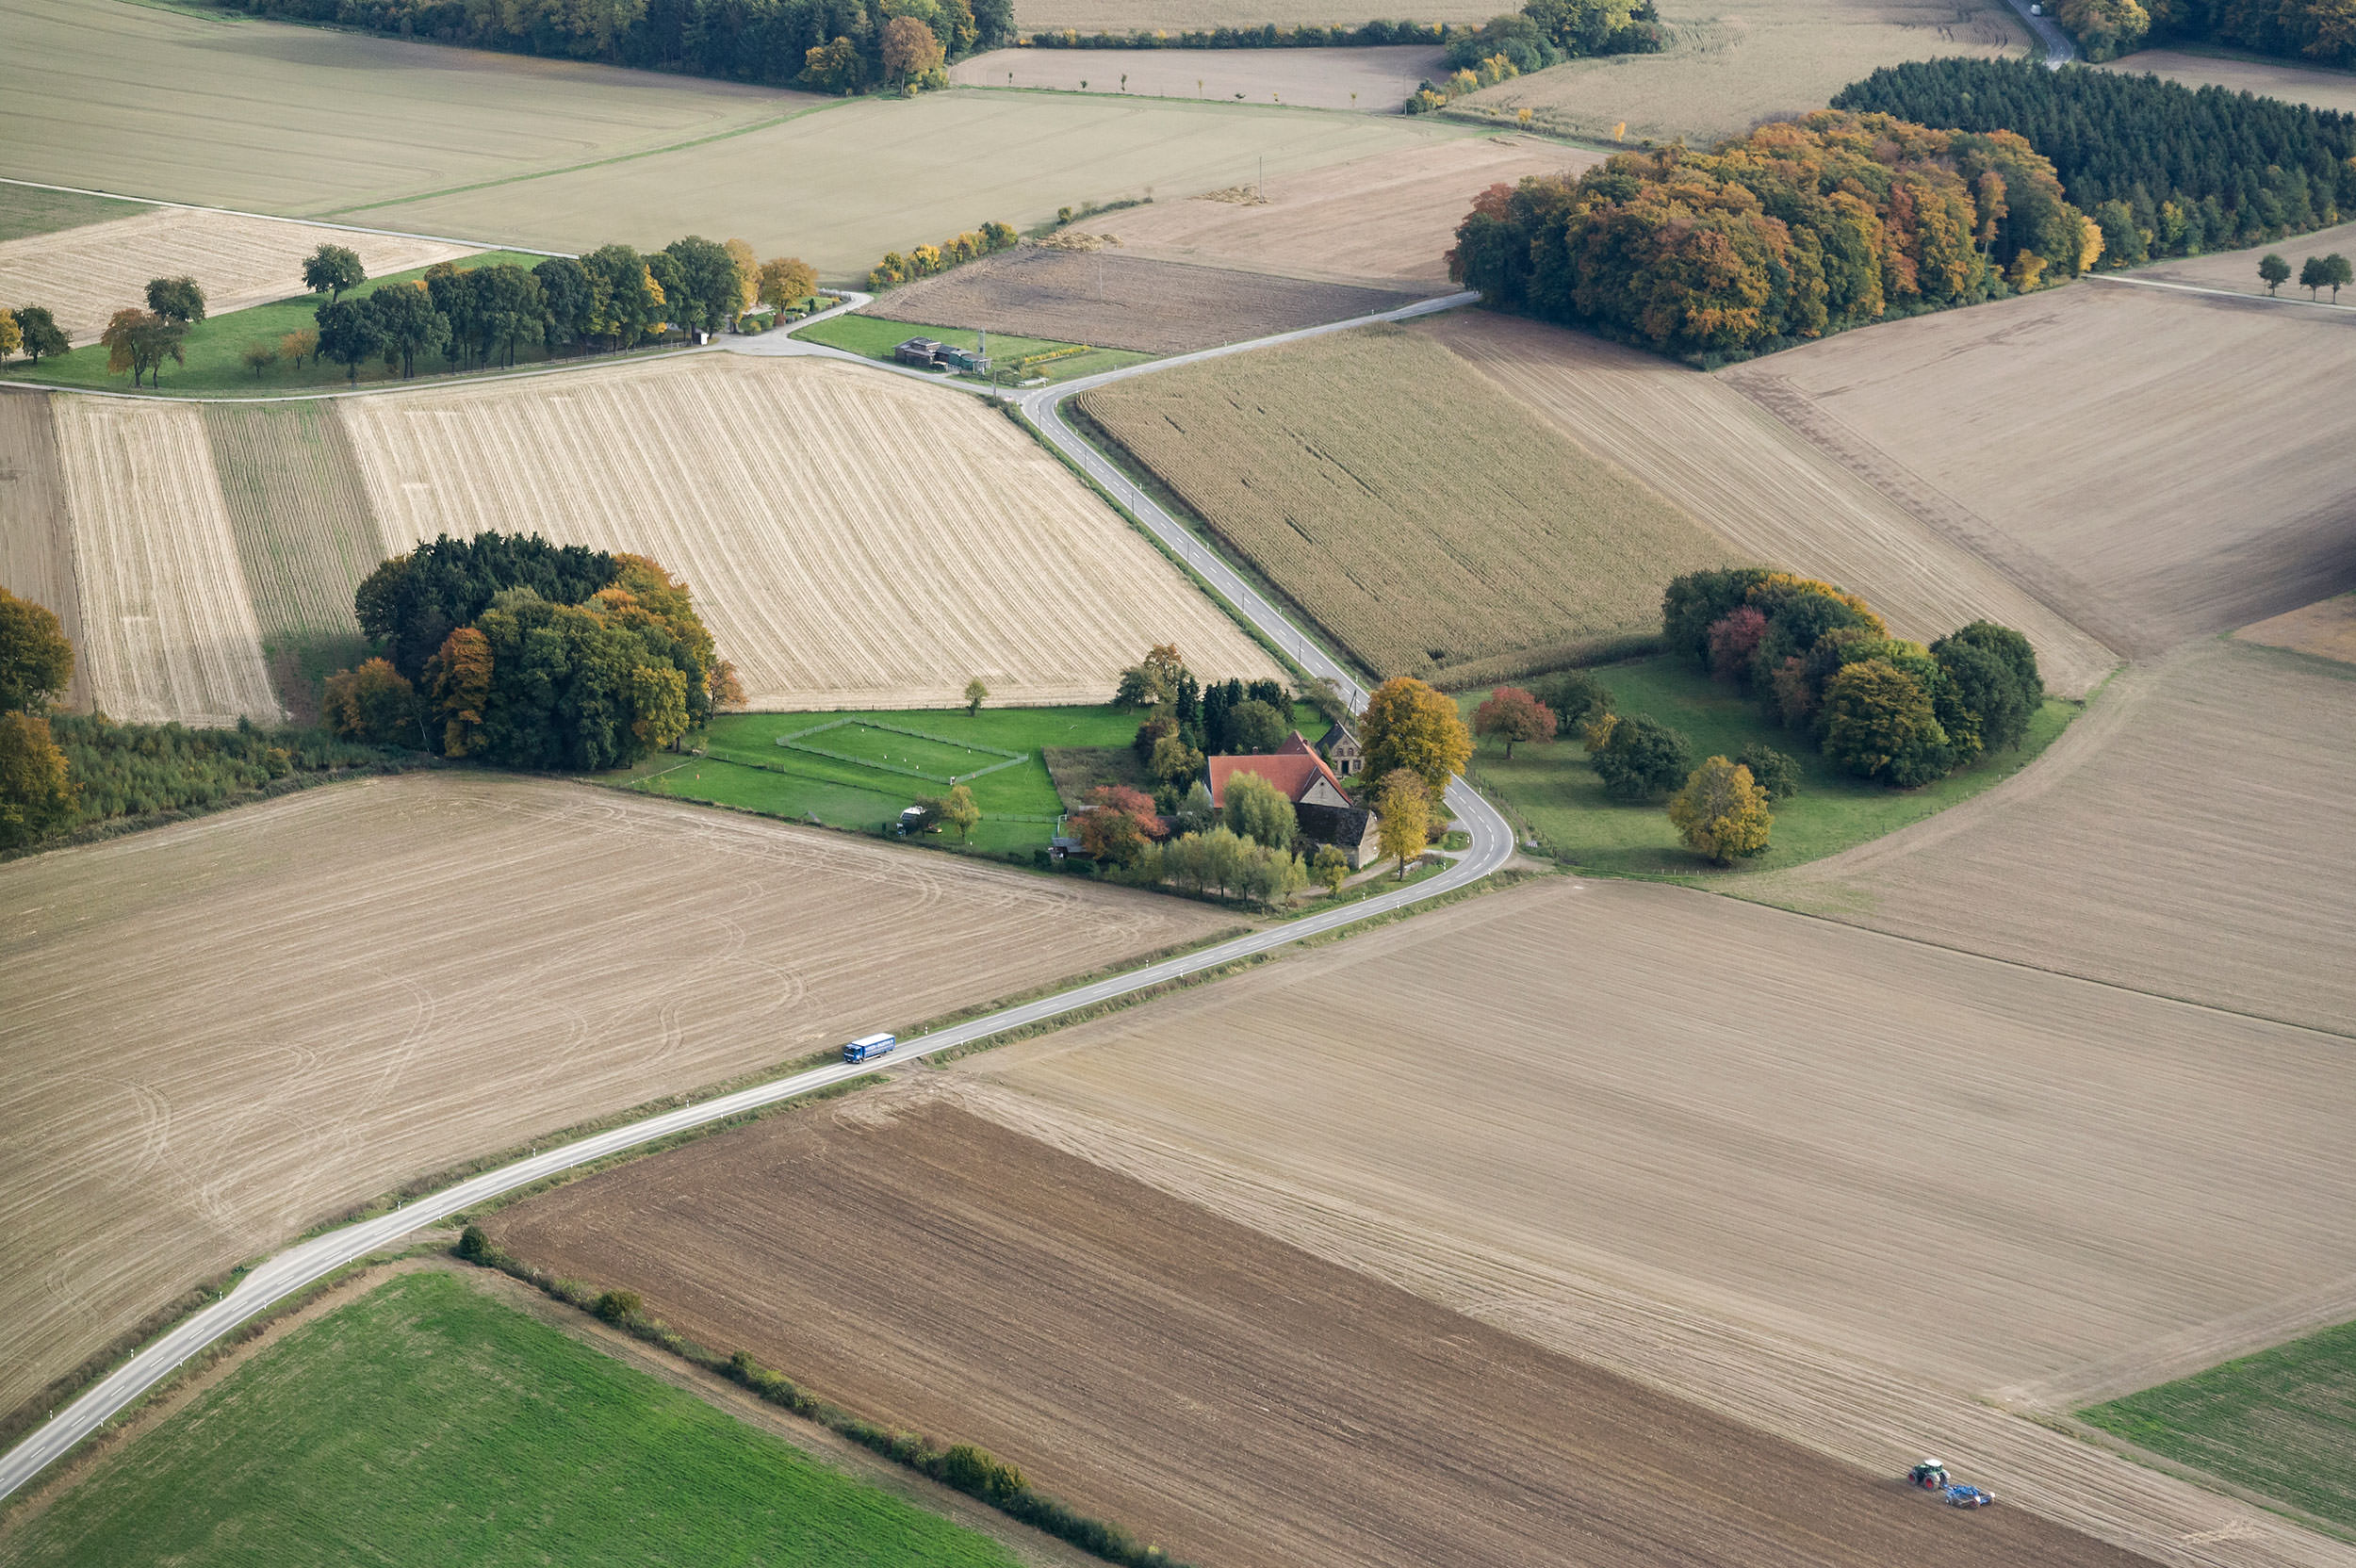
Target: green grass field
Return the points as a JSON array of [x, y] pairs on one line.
[[1552, 789], [876, 336], [213, 345], [2282, 1422], [26, 210], [427, 1424]]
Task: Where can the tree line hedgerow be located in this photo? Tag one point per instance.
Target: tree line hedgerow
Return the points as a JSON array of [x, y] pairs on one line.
[[962, 1467], [1798, 230], [2160, 168], [524, 654], [825, 45]]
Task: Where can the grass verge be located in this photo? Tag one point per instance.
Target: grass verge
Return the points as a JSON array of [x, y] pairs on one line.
[[876, 336], [1557, 800]]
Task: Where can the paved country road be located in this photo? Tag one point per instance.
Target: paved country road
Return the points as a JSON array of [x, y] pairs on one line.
[[290, 1270], [2059, 50]]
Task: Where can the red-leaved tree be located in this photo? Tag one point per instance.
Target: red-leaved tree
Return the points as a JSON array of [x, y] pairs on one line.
[[1517, 715], [1733, 637], [1117, 825]]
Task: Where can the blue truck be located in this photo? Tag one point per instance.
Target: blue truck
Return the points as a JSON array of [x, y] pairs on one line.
[[868, 1047]]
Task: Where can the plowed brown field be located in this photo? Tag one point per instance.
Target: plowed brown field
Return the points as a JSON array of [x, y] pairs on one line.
[[167, 627], [218, 1033], [1426, 520], [2326, 628], [1386, 220], [2187, 837], [35, 533], [1236, 1400], [85, 275], [855, 540], [305, 533], [1114, 300], [2202, 481], [1857, 1191], [1763, 486]]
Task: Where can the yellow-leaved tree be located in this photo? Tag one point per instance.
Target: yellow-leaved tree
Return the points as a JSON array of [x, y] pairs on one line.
[[1722, 811], [1408, 724], [1403, 807]]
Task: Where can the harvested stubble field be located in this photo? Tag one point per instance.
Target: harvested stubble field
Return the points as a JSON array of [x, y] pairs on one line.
[[1124, 302], [222, 1032], [2237, 270], [228, 111], [35, 533], [2267, 78], [2200, 481], [1428, 523], [168, 626], [857, 541], [1386, 220], [1370, 80], [1763, 486], [1858, 1192], [83, 276], [2186, 838], [305, 533], [1221, 1394], [950, 160], [1733, 64]]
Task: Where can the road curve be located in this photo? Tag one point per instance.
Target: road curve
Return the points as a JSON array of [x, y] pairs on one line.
[[2059, 50], [301, 1265]]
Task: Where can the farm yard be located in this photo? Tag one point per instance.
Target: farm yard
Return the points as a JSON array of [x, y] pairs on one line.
[[1763, 486], [1060, 1312], [150, 101], [1756, 1191], [1123, 301], [85, 274], [429, 1376], [952, 161], [2186, 499], [1373, 80], [882, 544], [222, 1032], [2181, 839], [1420, 517], [1385, 221], [168, 626], [1732, 64]]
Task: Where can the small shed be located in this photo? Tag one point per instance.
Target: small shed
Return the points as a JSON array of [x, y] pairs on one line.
[[922, 352]]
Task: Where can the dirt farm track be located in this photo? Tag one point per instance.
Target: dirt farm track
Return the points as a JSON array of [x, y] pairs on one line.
[[505, 957]]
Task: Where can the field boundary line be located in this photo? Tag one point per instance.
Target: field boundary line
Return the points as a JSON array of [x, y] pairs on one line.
[[280, 218], [2216, 293]]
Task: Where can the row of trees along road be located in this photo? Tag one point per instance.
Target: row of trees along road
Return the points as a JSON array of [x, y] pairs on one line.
[[2316, 273]]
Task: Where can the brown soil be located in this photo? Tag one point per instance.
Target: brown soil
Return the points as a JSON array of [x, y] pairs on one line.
[[2326, 628], [1866, 1194], [1234, 1400], [1113, 301], [36, 531], [218, 1034], [1386, 220], [1372, 80], [2199, 481]]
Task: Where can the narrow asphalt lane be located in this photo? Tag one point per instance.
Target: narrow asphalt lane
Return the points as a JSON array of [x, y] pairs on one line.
[[2059, 50]]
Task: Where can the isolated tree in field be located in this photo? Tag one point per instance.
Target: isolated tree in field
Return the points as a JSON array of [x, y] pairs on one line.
[[1641, 758], [407, 324], [1402, 805], [11, 336], [976, 695], [140, 342], [2273, 270], [300, 344], [258, 357], [2314, 276], [333, 268], [41, 334], [2336, 275], [1514, 714], [36, 796], [1880, 724], [180, 300], [1329, 868], [1408, 724], [1116, 827], [909, 49], [786, 281], [348, 333], [1722, 811], [960, 811], [36, 660], [1258, 811]]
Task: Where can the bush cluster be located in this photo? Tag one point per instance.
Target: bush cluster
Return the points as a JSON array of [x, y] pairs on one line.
[[1818, 657], [925, 260], [2162, 169], [1795, 231]]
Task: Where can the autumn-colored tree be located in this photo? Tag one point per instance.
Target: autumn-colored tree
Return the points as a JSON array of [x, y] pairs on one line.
[[1329, 868], [834, 68], [296, 347], [2273, 271], [658, 705], [373, 702], [1403, 805], [976, 695], [1172, 760], [786, 281], [1116, 826], [1408, 724], [36, 660], [11, 336], [960, 811], [1722, 811], [258, 357], [747, 274], [459, 678], [727, 690], [140, 342], [1514, 714], [908, 49], [1880, 724], [1733, 637], [1258, 811], [36, 796]]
